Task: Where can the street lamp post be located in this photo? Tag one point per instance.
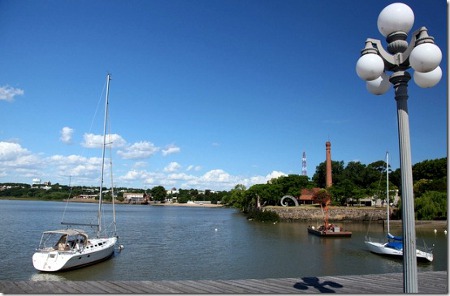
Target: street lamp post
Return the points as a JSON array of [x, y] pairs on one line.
[[422, 55]]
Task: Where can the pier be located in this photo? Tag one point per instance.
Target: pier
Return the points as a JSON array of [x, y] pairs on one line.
[[432, 282]]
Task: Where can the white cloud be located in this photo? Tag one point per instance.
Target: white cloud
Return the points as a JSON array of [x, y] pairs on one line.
[[138, 150], [77, 166], [96, 141], [172, 167], [131, 175], [170, 176], [216, 179], [170, 149], [180, 177], [193, 168], [7, 93], [66, 135], [262, 179], [216, 176], [17, 162], [13, 155], [274, 175], [140, 164]]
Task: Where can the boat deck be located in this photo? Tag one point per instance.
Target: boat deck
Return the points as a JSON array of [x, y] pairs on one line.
[[432, 282], [329, 233]]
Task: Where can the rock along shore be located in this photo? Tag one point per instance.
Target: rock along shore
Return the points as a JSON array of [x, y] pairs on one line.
[[356, 214], [313, 213]]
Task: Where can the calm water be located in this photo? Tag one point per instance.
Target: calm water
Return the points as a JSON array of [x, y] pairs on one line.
[[177, 243]]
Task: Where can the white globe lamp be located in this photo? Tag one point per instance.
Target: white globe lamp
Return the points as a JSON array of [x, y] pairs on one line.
[[379, 86], [394, 18], [369, 67], [428, 79], [425, 57]]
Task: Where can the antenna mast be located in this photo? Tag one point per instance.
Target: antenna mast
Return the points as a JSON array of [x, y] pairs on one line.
[[304, 172]]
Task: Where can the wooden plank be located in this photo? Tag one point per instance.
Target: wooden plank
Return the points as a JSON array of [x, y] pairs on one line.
[[224, 286], [392, 283], [101, 287], [132, 287], [51, 287], [207, 286], [273, 287], [185, 286], [249, 287], [10, 287], [159, 287]]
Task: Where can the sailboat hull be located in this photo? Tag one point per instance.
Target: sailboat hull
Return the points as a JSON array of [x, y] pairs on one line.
[[97, 250], [383, 249]]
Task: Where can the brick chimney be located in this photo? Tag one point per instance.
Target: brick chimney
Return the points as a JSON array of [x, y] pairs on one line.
[[328, 181]]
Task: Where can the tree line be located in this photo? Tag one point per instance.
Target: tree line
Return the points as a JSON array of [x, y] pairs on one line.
[[352, 181]]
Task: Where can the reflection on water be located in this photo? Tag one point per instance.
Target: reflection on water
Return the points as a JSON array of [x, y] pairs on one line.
[[42, 276], [180, 243]]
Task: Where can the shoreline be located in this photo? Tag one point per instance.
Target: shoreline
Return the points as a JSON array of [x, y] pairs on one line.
[[420, 224]]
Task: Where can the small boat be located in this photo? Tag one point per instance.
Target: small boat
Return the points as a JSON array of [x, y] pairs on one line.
[[394, 247], [394, 244], [72, 248], [327, 229]]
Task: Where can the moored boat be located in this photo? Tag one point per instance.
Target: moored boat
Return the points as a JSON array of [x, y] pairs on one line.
[[330, 230], [393, 247], [71, 248]]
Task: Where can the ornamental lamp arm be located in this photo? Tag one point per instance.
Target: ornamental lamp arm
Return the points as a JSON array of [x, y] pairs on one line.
[[375, 46]]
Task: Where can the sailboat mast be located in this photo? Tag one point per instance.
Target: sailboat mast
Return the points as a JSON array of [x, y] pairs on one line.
[[387, 189], [99, 215]]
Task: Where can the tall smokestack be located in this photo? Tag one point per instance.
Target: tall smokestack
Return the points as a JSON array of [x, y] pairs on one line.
[[328, 181]]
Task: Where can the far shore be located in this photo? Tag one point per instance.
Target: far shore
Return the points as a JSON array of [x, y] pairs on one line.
[[420, 224]]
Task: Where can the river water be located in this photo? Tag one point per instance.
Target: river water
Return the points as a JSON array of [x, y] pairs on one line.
[[193, 243]]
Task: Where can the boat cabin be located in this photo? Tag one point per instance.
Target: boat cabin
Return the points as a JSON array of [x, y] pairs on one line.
[[63, 240]]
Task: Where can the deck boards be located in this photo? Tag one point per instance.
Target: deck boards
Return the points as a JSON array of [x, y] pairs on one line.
[[432, 282]]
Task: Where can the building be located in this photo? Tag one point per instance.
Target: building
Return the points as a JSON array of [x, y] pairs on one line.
[[307, 196], [134, 198]]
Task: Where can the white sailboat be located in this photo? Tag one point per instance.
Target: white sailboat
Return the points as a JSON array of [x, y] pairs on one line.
[[394, 244], [72, 248]]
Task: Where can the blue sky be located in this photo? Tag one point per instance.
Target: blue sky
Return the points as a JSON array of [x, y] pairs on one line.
[[205, 94]]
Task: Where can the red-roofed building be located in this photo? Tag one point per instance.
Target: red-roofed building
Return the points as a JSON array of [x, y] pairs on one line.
[[307, 196]]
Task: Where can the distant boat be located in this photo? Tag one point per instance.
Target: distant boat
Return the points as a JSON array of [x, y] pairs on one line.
[[72, 248], [327, 229], [394, 244]]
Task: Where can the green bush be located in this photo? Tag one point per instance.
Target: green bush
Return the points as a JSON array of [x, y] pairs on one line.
[[431, 206], [263, 216]]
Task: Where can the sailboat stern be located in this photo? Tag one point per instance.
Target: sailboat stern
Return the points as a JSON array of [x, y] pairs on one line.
[[50, 260]]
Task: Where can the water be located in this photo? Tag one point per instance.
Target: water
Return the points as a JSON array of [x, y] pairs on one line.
[[187, 243]]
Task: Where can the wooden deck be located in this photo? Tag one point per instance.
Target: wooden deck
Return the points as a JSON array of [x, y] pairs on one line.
[[435, 282]]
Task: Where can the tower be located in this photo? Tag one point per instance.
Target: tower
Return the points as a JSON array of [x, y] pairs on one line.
[[304, 172], [328, 180]]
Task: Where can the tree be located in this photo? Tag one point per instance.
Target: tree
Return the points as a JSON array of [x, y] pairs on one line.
[[356, 173], [323, 197], [430, 169], [159, 193], [292, 184], [237, 198], [432, 205], [319, 177]]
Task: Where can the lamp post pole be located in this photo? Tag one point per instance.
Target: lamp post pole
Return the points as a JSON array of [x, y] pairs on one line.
[[400, 83], [421, 54]]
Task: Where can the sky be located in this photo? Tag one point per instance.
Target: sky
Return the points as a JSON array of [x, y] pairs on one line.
[[205, 94]]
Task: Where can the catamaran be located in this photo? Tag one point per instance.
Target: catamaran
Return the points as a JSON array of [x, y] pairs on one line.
[[72, 248], [394, 244]]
